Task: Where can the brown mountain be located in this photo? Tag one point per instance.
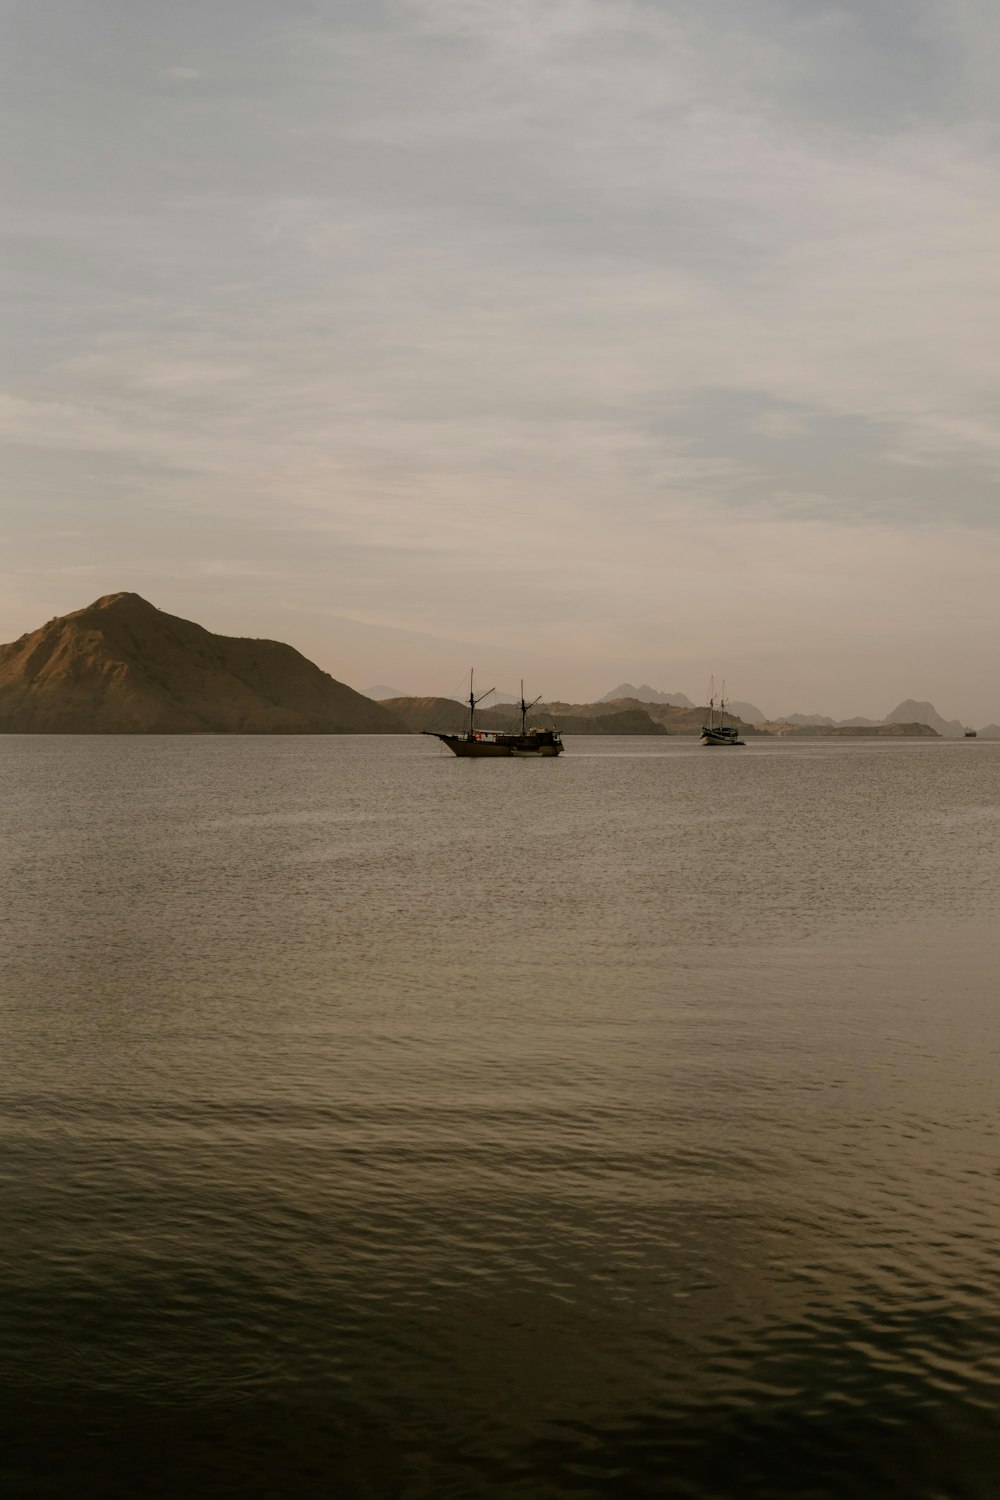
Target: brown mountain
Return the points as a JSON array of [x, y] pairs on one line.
[[121, 666]]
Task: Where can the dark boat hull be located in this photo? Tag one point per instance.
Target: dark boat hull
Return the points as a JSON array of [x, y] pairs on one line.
[[720, 737], [503, 747], [477, 749]]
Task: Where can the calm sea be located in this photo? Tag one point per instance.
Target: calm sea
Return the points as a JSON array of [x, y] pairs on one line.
[[379, 1124]]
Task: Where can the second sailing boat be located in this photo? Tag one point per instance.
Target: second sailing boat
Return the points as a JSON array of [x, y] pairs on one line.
[[717, 731]]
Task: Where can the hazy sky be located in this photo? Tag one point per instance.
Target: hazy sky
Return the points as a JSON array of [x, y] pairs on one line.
[[581, 339]]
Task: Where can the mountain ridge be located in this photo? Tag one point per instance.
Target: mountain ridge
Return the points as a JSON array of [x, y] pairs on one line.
[[122, 666]]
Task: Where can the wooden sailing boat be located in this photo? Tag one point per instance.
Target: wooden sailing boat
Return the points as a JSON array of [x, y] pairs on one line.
[[494, 744], [717, 731]]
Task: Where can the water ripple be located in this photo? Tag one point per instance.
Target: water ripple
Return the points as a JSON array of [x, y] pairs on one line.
[[375, 1129]]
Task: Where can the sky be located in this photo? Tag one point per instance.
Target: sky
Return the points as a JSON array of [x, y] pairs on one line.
[[581, 340]]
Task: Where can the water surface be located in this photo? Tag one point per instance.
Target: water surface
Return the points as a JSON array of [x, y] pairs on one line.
[[376, 1123]]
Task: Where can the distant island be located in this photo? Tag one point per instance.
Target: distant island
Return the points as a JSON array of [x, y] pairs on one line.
[[910, 711], [121, 666]]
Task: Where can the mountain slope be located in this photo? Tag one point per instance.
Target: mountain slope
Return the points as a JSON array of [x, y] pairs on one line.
[[748, 712], [121, 666]]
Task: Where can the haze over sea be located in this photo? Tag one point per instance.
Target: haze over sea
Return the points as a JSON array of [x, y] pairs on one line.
[[382, 1124]]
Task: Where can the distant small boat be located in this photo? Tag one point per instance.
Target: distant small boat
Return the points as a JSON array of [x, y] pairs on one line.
[[497, 744], [970, 734], [717, 731]]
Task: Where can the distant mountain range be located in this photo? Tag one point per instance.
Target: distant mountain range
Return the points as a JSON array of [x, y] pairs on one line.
[[621, 716], [122, 666], [689, 721], [910, 711]]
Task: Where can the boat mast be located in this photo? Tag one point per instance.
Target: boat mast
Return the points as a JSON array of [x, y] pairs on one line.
[[473, 700], [524, 709]]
